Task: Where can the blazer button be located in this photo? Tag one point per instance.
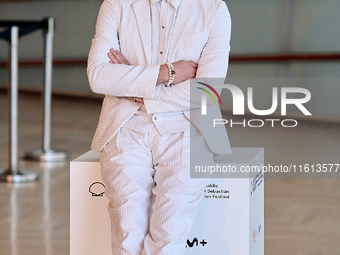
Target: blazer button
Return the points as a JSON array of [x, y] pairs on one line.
[[155, 118]]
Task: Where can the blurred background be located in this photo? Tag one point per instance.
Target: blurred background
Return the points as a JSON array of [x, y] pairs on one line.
[[271, 40]]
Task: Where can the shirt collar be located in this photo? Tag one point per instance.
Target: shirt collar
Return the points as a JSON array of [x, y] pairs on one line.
[[175, 3]]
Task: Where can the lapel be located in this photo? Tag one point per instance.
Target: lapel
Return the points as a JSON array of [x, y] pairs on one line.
[[185, 12], [141, 9]]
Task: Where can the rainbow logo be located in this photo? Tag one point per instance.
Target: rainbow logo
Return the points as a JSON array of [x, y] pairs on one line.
[[204, 98]]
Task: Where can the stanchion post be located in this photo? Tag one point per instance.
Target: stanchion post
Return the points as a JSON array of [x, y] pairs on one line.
[[47, 154], [13, 173], [13, 100], [49, 34]]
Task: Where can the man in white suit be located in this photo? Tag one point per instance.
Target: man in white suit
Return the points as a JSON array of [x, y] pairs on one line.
[[142, 57]]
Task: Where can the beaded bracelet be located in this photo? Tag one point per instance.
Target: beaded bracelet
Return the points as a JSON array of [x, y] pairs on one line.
[[171, 74]]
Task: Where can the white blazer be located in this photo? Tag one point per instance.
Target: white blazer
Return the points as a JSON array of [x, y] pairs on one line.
[[201, 34]]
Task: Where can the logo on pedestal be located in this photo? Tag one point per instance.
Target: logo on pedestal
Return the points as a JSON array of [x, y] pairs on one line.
[[256, 233], [97, 189], [195, 242]]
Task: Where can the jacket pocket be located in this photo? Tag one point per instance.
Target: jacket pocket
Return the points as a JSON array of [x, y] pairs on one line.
[[191, 46]]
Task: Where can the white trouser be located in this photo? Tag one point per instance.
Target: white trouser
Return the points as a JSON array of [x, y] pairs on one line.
[[136, 167]]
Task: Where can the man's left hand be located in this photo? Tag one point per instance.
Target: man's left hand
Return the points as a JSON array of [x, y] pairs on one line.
[[116, 57]]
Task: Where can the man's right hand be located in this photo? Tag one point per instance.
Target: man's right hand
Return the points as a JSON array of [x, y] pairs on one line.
[[184, 70]]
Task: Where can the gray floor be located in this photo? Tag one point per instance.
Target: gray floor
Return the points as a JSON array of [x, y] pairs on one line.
[[302, 215]]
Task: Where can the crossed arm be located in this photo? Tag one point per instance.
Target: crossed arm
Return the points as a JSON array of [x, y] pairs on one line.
[[184, 69], [124, 80]]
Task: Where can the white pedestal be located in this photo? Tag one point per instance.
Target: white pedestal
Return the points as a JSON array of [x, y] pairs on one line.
[[89, 219], [229, 221]]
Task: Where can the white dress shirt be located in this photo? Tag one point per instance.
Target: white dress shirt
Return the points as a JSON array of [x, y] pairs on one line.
[[163, 18]]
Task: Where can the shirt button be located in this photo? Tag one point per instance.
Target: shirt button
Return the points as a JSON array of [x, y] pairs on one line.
[[161, 52], [163, 27], [155, 118]]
